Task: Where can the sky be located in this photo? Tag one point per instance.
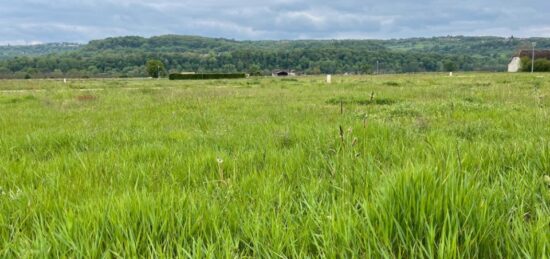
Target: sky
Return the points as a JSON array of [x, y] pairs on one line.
[[41, 21]]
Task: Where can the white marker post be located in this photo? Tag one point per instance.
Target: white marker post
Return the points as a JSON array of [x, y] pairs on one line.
[[65, 80], [450, 73], [329, 79]]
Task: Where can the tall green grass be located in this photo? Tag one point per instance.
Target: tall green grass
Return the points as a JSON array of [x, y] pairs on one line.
[[407, 166]]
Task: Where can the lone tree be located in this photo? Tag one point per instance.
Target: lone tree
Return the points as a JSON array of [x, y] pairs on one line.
[[155, 68], [255, 70]]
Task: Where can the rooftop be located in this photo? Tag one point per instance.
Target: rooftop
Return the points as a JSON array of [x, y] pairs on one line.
[[538, 54]]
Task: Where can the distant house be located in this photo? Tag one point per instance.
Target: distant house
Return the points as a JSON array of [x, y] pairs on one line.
[[277, 73], [515, 63]]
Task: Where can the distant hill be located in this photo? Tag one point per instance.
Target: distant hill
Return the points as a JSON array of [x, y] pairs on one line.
[[126, 56], [181, 43], [36, 50], [495, 51]]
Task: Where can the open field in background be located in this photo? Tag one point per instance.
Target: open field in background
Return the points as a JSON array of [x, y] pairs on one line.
[[427, 166]]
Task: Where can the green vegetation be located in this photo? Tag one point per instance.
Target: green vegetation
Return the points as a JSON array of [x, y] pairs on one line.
[[206, 76], [540, 65], [127, 56], [405, 166], [155, 68], [7, 52]]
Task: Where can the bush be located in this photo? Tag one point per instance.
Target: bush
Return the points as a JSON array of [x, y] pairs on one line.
[[541, 65], [206, 76]]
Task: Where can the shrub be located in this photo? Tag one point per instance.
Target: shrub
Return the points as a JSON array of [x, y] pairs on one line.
[[541, 65], [206, 76]]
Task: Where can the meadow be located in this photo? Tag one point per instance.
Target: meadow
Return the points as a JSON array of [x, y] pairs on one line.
[[389, 166]]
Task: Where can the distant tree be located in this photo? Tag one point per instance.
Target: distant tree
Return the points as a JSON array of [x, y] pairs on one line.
[[155, 68], [525, 64], [57, 73], [255, 70], [5, 71], [541, 65], [229, 68], [21, 75], [366, 69], [74, 73], [449, 65], [315, 70]]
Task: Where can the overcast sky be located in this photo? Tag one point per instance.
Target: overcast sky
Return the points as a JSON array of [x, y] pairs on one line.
[[33, 21]]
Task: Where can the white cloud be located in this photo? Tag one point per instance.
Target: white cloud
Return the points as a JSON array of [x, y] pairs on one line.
[[83, 20]]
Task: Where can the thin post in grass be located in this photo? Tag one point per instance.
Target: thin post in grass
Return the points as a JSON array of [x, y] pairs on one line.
[[342, 134], [220, 169], [341, 106]]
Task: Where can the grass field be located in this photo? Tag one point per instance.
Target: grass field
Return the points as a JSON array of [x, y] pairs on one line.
[[401, 166]]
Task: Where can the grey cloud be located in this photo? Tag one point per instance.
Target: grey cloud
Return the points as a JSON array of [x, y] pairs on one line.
[[83, 20]]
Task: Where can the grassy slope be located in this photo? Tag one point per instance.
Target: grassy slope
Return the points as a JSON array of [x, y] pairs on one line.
[[435, 167]]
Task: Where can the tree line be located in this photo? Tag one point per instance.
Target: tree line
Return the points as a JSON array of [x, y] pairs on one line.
[[128, 56]]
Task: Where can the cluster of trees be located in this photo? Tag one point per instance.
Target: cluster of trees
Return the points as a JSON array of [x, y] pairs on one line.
[[540, 65], [128, 56], [255, 62]]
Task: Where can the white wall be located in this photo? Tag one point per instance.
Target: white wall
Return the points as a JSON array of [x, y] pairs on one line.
[[514, 65]]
